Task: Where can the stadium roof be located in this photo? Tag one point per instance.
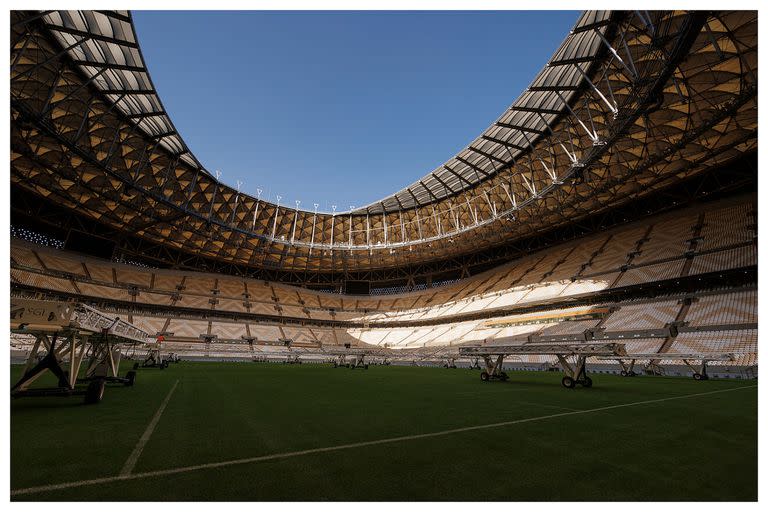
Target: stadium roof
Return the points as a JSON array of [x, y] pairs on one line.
[[630, 104], [103, 44], [517, 129]]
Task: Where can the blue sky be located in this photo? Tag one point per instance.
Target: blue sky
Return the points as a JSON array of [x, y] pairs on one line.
[[339, 107]]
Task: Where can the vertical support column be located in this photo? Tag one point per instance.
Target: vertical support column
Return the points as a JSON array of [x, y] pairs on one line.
[[367, 230], [213, 197], [295, 221], [274, 223], [237, 199], [333, 222], [314, 223], [384, 223], [418, 223], [256, 209]]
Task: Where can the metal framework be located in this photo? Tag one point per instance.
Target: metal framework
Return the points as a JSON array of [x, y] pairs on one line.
[[696, 362], [630, 104], [572, 358], [66, 334]]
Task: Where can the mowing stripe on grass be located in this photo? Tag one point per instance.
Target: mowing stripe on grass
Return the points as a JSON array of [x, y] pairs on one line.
[[133, 458], [286, 455]]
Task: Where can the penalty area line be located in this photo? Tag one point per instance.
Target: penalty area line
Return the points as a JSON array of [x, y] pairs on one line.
[[286, 455]]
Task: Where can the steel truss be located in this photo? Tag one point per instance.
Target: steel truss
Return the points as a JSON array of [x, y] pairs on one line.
[[696, 362], [572, 358], [46, 218], [623, 120]]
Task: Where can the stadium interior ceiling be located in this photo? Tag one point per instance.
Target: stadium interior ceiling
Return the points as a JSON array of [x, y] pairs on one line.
[[636, 113]]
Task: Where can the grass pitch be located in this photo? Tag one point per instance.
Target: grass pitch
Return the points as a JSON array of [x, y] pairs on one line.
[[698, 447]]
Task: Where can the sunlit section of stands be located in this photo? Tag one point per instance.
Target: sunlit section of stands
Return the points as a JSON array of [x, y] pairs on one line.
[[413, 337], [642, 315], [569, 328], [689, 242]]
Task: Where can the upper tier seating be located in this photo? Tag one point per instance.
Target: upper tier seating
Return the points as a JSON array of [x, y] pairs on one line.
[[723, 309], [741, 342], [642, 315]]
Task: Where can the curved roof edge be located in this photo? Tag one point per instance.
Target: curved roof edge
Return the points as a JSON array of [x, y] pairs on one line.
[[517, 129], [105, 47]]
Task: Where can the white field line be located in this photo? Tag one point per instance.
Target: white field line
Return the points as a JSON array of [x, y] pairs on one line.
[[133, 458], [285, 455]]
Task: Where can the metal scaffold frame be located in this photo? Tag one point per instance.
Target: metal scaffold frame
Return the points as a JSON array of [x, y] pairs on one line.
[[572, 358], [67, 334], [696, 362]]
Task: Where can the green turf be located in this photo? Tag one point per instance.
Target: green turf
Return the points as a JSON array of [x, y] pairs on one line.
[[696, 448]]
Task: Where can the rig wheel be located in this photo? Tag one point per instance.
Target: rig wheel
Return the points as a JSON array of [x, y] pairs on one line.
[[568, 382], [95, 391], [696, 376], [623, 373], [587, 382], [484, 376], [504, 376]]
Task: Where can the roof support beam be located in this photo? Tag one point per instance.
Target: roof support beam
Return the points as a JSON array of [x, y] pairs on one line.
[[459, 176], [433, 196], [520, 127], [91, 35], [444, 184], [536, 110], [553, 88], [142, 115], [51, 58], [487, 155], [473, 166], [130, 91], [503, 142], [163, 134], [121, 67]]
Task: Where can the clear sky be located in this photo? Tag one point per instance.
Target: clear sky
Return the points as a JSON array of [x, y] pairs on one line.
[[339, 107]]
